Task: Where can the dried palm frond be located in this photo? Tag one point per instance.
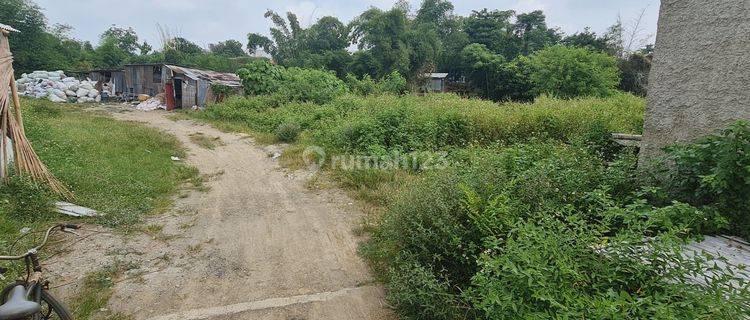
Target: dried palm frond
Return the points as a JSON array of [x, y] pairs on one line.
[[25, 160]]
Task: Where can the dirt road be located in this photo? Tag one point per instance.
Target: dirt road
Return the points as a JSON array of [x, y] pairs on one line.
[[257, 245]]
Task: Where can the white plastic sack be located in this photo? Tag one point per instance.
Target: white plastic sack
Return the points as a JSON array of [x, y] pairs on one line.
[[82, 93]]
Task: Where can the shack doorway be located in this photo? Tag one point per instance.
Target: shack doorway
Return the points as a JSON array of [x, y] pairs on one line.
[[178, 92]]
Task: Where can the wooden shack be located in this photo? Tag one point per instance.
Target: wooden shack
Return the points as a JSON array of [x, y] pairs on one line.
[[188, 87], [113, 79]]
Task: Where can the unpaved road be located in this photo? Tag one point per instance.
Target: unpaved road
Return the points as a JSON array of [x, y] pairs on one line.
[[257, 245]]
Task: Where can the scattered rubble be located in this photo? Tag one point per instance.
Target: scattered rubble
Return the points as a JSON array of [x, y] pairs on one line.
[[56, 87]]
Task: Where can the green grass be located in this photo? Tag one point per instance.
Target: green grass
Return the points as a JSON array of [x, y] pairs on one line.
[[122, 169], [91, 301]]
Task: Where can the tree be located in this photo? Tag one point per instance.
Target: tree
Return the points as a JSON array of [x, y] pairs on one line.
[[256, 41], [184, 46], [572, 72], [588, 40], [492, 77], [110, 54], [126, 39], [382, 34], [228, 48], [327, 34], [532, 32], [494, 30]]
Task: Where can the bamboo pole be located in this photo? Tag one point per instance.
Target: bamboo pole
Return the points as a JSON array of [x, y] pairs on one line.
[[16, 102]]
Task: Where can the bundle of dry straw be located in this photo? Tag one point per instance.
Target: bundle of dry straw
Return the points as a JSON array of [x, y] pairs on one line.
[[25, 161]]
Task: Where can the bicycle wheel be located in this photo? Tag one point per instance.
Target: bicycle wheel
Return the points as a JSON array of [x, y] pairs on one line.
[[52, 309]]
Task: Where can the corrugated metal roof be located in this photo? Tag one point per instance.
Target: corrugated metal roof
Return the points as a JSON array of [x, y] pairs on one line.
[[438, 75], [7, 28], [227, 79]]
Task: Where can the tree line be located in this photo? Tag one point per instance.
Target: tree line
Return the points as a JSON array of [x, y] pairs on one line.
[[488, 53]]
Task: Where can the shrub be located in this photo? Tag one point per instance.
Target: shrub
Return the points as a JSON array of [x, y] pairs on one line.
[[533, 231], [714, 174], [394, 83], [568, 72], [260, 77], [288, 132], [309, 85], [363, 87]]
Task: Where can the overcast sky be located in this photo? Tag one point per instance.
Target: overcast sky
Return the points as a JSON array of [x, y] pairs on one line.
[[210, 21]]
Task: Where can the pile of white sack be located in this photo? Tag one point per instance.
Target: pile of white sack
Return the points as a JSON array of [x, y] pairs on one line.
[[151, 104], [56, 87]]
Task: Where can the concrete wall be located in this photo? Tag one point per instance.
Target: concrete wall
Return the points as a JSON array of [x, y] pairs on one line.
[[700, 80]]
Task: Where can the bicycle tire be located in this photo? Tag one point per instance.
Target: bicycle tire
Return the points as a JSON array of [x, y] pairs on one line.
[[56, 307], [59, 310]]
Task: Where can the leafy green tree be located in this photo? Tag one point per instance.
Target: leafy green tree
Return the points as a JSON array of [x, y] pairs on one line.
[[382, 34], [532, 32], [256, 41], [229, 48], [110, 54], [635, 71], [494, 30], [494, 78], [327, 34], [572, 72], [185, 46], [126, 39], [589, 40]]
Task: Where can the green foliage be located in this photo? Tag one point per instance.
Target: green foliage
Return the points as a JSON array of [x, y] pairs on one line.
[[713, 174], [393, 83], [309, 85], [440, 121], [635, 71], [288, 132], [494, 78], [260, 77], [363, 87], [229, 48], [534, 231], [572, 72], [290, 84]]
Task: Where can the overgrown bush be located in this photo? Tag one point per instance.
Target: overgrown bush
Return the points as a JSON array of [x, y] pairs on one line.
[[260, 77], [538, 231], [310, 85], [568, 72], [393, 83], [714, 174], [288, 132]]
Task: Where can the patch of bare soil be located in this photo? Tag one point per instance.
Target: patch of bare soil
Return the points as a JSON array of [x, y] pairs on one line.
[[256, 245]]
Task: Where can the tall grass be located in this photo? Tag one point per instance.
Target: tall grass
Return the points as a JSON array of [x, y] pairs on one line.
[[355, 124]]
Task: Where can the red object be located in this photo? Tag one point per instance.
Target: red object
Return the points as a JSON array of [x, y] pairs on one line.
[[169, 96]]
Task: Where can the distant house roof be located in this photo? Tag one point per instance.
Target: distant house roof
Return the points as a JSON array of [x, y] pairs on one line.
[[438, 75], [7, 28]]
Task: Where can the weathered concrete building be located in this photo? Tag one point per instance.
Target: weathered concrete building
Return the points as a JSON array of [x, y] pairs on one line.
[[700, 80]]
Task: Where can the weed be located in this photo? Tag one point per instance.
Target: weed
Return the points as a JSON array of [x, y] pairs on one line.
[[206, 142]]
